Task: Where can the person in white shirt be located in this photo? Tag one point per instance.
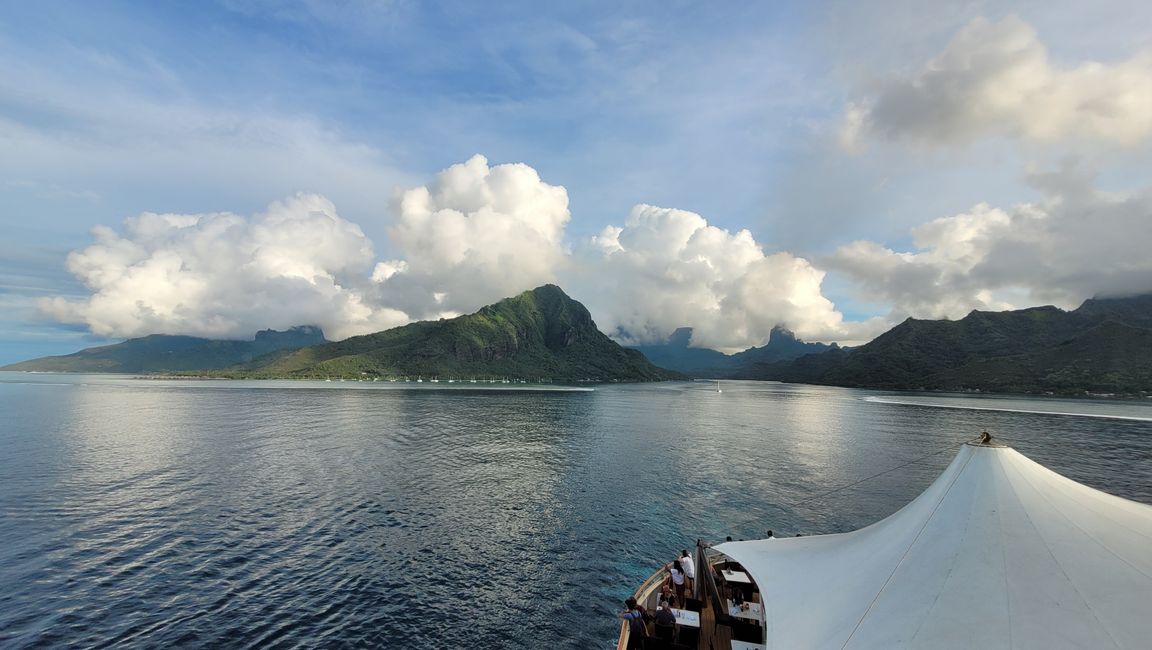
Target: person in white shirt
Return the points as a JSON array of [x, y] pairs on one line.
[[688, 566], [676, 581]]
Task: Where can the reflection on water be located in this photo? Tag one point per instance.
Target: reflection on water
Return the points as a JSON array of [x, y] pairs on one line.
[[302, 514]]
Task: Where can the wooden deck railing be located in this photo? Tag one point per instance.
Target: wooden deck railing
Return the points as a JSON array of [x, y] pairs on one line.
[[642, 595]]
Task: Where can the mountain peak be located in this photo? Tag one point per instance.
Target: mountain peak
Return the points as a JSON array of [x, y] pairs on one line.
[[549, 290], [561, 319], [681, 338], [298, 336], [781, 335], [539, 333], [1132, 310]]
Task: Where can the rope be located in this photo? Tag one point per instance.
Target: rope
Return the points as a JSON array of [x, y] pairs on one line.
[[887, 471], [904, 555], [977, 439]]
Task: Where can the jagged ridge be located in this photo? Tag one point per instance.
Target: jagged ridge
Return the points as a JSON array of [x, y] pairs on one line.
[[159, 353], [677, 354], [539, 334], [1103, 346]]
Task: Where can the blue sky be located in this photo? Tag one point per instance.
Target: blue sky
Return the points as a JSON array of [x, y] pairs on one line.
[[719, 117]]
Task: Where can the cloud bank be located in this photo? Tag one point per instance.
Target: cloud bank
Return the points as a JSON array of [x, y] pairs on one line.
[[665, 268], [478, 233], [221, 275], [995, 78], [475, 235], [1077, 242]]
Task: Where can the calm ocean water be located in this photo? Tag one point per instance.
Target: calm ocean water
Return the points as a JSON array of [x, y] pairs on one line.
[[295, 514]]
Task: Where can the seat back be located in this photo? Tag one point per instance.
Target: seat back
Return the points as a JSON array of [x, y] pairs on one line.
[[749, 632], [654, 643], [689, 636]]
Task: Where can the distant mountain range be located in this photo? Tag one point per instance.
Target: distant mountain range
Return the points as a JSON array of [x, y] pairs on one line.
[[540, 334], [160, 353], [677, 354], [1104, 346]]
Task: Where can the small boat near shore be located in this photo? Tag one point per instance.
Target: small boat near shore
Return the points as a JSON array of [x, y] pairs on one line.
[[998, 552]]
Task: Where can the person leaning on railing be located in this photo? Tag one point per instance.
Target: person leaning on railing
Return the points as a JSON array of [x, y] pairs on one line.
[[636, 626]]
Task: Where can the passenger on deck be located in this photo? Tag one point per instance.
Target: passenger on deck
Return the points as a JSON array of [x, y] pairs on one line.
[[676, 580], [636, 627], [688, 566], [737, 595], [644, 610], [665, 621]]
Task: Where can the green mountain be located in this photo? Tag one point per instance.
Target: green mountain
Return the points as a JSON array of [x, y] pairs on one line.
[[161, 353], [1103, 346], [1109, 358], [676, 354], [782, 345], [539, 334]]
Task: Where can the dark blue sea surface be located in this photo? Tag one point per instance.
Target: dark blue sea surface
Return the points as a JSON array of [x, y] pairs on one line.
[[158, 513]]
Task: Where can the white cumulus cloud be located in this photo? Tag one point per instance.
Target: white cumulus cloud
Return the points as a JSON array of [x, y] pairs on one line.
[[1076, 243], [479, 233], [667, 268], [221, 275], [997, 78]]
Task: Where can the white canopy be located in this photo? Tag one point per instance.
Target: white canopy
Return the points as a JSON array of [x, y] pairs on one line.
[[999, 552]]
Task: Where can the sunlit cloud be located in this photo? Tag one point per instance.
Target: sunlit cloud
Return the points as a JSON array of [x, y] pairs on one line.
[[667, 268], [479, 233], [222, 275], [476, 234]]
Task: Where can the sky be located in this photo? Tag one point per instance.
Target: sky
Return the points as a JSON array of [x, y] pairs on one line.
[[220, 167]]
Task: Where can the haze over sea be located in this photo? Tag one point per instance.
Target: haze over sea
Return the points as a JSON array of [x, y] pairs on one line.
[[307, 514]]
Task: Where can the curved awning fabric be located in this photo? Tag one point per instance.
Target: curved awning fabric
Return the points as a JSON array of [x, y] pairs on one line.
[[999, 552]]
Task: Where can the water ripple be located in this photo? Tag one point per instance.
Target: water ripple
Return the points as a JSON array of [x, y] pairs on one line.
[[169, 514]]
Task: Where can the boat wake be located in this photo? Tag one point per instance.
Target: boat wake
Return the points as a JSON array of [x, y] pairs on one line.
[[966, 407]]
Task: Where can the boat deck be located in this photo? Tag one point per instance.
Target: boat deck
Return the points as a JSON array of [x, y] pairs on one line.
[[730, 633]]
